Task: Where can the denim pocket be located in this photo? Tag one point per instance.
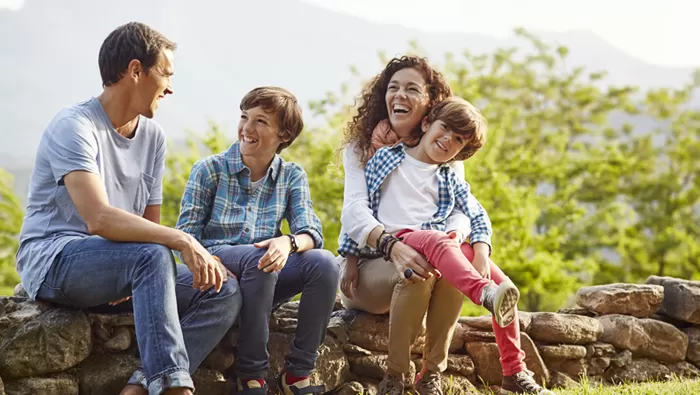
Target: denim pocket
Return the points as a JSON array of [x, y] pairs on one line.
[[54, 295], [143, 192]]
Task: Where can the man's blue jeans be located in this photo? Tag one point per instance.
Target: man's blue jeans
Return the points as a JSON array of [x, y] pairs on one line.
[[314, 273], [176, 325]]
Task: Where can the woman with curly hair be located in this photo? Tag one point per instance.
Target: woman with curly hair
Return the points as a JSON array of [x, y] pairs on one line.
[[380, 272], [392, 107]]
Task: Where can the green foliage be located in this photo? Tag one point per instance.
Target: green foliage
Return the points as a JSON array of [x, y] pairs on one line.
[[11, 215], [585, 183]]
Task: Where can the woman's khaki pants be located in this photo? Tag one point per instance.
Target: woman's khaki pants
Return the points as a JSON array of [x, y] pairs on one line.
[[381, 290]]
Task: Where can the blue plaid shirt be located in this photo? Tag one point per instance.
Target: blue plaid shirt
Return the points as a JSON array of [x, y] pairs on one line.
[[452, 192], [219, 206]]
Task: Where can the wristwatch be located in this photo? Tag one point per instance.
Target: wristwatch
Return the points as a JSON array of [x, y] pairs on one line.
[[293, 241]]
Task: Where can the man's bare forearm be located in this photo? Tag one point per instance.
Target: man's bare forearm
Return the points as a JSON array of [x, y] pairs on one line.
[[118, 225]]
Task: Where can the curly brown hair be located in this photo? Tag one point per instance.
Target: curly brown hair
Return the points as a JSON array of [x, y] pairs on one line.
[[373, 109]]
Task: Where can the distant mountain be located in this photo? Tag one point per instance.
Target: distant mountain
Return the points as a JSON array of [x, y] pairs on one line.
[[49, 57]]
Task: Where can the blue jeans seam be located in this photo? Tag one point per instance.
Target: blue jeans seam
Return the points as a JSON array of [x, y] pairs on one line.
[[165, 373]]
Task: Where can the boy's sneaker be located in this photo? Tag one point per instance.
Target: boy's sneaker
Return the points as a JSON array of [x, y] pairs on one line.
[[301, 387], [391, 385], [251, 387], [523, 383], [501, 301], [429, 384]]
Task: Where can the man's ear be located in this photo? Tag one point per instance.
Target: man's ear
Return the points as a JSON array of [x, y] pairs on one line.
[[135, 68]]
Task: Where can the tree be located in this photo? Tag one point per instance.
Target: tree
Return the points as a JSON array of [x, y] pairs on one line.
[[11, 215], [579, 189]]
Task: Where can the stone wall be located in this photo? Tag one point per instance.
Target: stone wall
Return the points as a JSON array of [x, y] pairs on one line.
[[618, 332]]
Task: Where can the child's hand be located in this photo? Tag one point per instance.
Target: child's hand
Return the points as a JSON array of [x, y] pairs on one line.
[[456, 236], [482, 264], [350, 277]]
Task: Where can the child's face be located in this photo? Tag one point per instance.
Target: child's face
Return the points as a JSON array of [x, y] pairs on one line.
[[439, 142], [258, 133]]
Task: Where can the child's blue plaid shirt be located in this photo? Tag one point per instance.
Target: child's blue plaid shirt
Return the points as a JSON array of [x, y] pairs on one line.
[[219, 206], [452, 192]]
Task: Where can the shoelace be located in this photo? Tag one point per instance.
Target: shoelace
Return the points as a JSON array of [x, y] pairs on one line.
[[524, 379], [432, 383]]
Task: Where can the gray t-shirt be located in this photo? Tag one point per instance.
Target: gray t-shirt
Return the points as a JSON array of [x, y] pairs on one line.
[[83, 138]]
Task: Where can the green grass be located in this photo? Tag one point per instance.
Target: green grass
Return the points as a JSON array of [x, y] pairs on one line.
[[672, 387]]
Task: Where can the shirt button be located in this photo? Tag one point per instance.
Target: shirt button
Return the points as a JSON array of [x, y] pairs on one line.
[[247, 229], [250, 208]]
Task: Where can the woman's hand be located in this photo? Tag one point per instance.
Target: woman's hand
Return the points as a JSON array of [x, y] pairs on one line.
[[350, 277], [405, 257]]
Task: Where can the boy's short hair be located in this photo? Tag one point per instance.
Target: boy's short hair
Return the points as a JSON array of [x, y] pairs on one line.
[[283, 104], [464, 119]]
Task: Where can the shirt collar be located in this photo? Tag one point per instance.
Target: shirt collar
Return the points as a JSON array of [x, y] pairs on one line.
[[235, 162]]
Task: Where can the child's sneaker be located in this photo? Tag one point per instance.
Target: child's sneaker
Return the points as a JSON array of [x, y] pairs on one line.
[[251, 387], [523, 383], [501, 301], [301, 387]]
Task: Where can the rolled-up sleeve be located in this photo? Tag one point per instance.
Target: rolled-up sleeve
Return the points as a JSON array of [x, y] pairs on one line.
[[480, 222], [356, 217], [458, 220], [300, 212], [197, 201]]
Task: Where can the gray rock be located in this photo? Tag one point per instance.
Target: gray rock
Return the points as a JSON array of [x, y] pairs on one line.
[[120, 341], [564, 328], [645, 337], [693, 354], [58, 385], [637, 300], [681, 298], [105, 373], [20, 292], [207, 381], [639, 370], [52, 342]]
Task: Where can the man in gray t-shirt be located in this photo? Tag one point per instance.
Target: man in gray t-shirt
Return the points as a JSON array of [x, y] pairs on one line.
[[91, 235]]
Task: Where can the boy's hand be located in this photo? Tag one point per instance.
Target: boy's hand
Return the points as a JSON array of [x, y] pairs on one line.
[[275, 258], [350, 277]]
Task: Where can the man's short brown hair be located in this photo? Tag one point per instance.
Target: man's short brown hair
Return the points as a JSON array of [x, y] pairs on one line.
[[464, 119], [127, 42], [283, 104]]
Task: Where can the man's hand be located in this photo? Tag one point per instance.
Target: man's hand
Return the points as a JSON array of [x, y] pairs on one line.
[[122, 300], [206, 270], [223, 267], [275, 258]]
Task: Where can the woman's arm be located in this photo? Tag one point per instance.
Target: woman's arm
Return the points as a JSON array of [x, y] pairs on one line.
[[356, 217]]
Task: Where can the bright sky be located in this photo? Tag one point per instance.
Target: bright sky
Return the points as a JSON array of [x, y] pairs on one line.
[[656, 31]]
